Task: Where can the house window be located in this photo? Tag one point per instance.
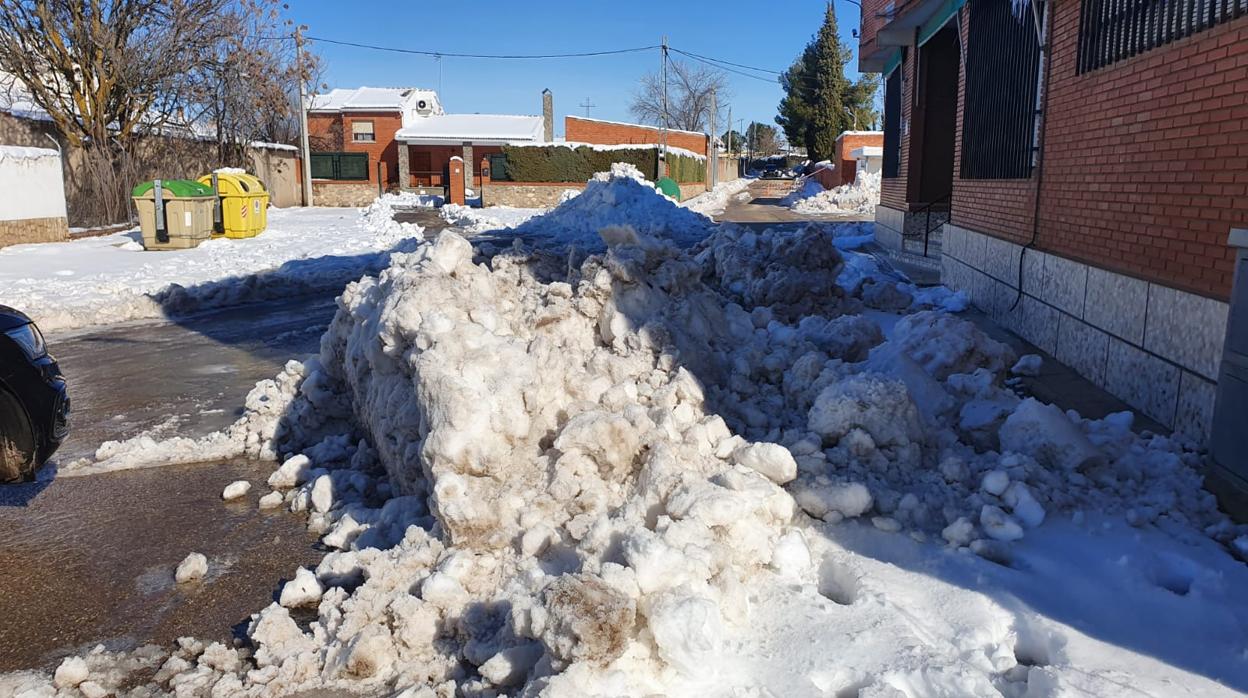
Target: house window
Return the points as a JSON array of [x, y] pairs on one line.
[[892, 124], [362, 132], [351, 166], [999, 118], [1114, 30]]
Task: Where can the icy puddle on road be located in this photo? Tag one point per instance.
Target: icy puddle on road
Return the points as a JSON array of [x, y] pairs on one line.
[[90, 560]]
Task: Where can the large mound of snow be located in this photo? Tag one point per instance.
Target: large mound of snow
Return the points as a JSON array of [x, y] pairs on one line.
[[619, 197], [101, 280], [860, 196], [642, 471], [483, 220]]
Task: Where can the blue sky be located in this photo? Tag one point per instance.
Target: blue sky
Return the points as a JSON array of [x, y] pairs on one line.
[[768, 35]]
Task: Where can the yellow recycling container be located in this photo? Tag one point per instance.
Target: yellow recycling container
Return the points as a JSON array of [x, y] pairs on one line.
[[244, 204]]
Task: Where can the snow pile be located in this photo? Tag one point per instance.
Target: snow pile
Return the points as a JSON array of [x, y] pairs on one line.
[[860, 196], [106, 279], [619, 197], [484, 220], [716, 200], [622, 475]]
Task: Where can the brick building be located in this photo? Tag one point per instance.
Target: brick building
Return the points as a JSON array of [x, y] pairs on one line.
[[1093, 153], [851, 146], [584, 130], [372, 139]]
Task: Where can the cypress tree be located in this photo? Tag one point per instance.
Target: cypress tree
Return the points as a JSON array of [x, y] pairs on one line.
[[813, 111]]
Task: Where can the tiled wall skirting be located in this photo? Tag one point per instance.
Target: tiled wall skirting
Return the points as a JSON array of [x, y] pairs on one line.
[[1155, 347]]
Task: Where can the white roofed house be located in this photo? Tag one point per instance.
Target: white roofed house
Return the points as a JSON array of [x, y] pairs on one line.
[[370, 139]]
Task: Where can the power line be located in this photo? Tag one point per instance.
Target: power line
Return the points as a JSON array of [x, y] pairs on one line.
[[444, 54], [691, 54]]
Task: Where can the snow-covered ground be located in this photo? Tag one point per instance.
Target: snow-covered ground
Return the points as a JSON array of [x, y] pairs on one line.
[[111, 278], [484, 220], [737, 464], [860, 196]]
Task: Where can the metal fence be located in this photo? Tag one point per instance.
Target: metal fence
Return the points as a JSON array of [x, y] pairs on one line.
[[1114, 30], [352, 166], [1002, 64]]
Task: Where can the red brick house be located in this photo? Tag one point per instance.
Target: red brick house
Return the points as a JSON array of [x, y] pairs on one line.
[[1093, 153], [371, 139]]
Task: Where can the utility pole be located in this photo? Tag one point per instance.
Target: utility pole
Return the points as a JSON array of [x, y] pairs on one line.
[[304, 152], [712, 153], [663, 133], [587, 105], [730, 151]]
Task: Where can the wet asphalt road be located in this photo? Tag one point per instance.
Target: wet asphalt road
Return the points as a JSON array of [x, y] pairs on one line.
[[90, 559]]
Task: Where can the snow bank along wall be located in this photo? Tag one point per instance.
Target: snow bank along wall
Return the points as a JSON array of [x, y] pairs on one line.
[[1127, 273], [32, 196]]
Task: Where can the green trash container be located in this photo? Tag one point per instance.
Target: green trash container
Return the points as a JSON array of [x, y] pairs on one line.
[[668, 187], [174, 214]]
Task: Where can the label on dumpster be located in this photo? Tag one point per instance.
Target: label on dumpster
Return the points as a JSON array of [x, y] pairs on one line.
[[256, 205], [242, 211], [188, 219]]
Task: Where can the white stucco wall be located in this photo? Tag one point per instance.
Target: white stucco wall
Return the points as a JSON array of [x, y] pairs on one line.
[[30, 183]]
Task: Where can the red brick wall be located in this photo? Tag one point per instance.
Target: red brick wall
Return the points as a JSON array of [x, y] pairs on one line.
[[846, 165], [323, 128], [605, 133], [893, 191], [1147, 166], [873, 17], [1146, 161]]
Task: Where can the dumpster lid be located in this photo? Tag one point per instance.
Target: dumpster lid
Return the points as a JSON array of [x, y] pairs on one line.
[[234, 183], [174, 187]]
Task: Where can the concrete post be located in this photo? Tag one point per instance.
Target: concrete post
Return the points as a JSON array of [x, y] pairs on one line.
[[468, 174], [405, 167], [548, 116]]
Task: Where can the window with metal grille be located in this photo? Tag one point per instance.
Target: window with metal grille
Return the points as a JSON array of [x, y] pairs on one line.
[[352, 166], [1115, 30], [892, 124], [999, 112]]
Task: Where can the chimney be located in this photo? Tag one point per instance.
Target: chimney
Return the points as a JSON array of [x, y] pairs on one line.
[[548, 116]]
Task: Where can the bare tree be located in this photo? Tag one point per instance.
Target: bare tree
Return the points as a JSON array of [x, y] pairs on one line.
[[689, 90], [103, 68], [248, 87]]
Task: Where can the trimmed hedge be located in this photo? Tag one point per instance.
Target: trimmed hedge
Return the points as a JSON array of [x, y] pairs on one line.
[[560, 163], [686, 169]]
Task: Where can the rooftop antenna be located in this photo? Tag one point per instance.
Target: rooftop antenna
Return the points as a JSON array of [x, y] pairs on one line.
[[587, 105]]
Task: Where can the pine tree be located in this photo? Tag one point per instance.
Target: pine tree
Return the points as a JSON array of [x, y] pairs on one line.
[[819, 99]]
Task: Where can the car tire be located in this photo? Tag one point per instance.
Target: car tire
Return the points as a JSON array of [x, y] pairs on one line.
[[17, 441]]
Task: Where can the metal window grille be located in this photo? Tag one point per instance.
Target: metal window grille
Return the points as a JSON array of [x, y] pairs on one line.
[[892, 124], [352, 166], [1115, 30], [1002, 64], [498, 168]]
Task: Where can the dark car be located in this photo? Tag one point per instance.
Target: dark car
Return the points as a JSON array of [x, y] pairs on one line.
[[34, 403]]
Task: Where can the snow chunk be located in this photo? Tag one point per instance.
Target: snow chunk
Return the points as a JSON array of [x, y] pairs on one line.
[[1046, 434], [235, 490], [998, 524], [303, 590], [944, 345], [71, 672], [1028, 365], [773, 461], [995, 482], [193, 567], [878, 405], [587, 620]]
